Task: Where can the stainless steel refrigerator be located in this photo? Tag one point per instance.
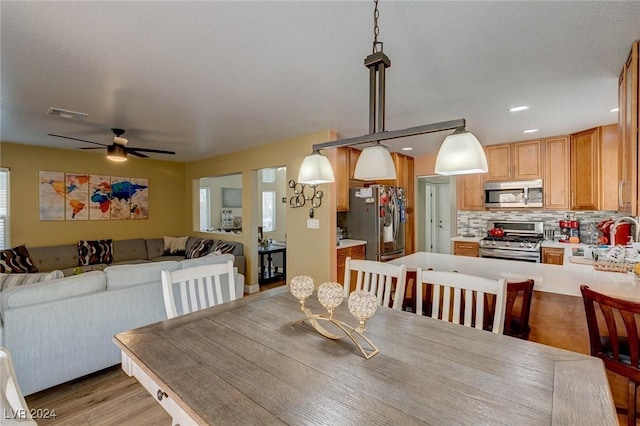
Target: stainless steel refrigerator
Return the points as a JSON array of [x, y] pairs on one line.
[[377, 215]]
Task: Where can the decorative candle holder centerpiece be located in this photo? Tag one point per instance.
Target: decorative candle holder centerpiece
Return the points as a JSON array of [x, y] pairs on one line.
[[362, 305]]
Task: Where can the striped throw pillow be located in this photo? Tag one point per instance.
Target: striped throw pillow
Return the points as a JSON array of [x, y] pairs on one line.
[[202, 247], [14, 280], [222, 247]]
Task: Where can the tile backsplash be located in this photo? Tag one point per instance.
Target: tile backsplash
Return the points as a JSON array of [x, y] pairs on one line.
[[474, 222]]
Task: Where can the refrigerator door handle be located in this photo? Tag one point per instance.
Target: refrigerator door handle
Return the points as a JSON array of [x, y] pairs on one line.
[[396, 218]]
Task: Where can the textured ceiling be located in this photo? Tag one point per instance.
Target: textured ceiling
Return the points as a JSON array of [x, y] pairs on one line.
[[207, 78]]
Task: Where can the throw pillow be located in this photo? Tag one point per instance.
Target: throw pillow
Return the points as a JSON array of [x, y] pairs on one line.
[[14, 280], [95, 252], [201, 248], [16, 260], [175, 246], [222, 247]]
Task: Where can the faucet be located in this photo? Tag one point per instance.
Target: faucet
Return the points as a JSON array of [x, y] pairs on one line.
[[625, 219]]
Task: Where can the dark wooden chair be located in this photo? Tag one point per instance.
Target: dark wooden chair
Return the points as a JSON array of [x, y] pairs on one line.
[[516, 319], [619, 346]]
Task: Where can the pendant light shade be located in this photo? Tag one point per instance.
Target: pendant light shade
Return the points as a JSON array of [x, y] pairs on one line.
[[116, 153], [375, 163], [461, 154], [315, 169]]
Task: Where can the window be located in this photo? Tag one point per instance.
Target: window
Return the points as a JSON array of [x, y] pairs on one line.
[[268, 175], [205, 209], [4, 208], [268, 211]]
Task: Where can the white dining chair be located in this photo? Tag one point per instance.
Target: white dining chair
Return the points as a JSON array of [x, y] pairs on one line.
[[13, 407], [382, 279], [198, 287], [460, 298]]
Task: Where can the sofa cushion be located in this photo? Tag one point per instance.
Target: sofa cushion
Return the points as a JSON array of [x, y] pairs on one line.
[[122, 276], [14, 280], [199, 249], [95, 252], [16, 260], [126, 250], [49, 258], [48, 291], [222, 247], [175, 246]]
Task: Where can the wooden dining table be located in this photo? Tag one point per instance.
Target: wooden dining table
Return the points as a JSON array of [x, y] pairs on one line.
[[243, 363]]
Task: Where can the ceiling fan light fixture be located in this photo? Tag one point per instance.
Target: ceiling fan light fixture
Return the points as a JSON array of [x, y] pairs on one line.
[[315, 169], [375, 163], [116, 153], [120, 141], [461, 154]]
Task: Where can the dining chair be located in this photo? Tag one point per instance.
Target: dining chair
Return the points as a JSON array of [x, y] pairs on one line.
[[613, 337], [13, 407], [518, 308], [460, 298], [385, 280], [198, 287]]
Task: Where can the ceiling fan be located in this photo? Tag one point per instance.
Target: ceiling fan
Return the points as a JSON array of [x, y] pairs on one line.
[[118, 150]]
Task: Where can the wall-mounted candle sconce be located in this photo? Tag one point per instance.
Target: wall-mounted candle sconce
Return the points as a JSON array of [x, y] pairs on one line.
[[302, 195]]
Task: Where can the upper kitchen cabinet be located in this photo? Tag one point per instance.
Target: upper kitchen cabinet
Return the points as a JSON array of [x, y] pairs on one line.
[[556, 173], [470, 191], [628, 119], [585, 170], [594, 168], [342, 179], [514, 161]]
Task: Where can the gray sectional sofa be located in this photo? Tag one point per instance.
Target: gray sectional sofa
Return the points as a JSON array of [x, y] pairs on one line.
[[62, 329], [139, 250]]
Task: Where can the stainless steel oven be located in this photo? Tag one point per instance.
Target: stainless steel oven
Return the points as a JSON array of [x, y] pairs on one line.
[[515, 241], [516, 194]]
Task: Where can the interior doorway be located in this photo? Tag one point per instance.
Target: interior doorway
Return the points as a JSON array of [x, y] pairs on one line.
[[435, 214]]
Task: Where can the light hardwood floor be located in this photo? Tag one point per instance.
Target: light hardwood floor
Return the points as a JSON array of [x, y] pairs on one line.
[[108, 397]]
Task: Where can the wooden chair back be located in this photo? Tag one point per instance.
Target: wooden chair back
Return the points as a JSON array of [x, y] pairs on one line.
[[12, 404], [461, 298], [516, 315], [613, 337], [198, 287], [385, 280]]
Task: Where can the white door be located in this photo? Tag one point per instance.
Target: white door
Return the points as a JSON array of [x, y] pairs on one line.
[[442, 203]]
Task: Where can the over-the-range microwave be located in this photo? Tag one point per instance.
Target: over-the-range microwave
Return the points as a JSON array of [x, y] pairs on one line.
[[525, 193]]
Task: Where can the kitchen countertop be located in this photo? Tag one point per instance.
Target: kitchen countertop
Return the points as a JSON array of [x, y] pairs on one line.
[[346, 243], [559, 279], [467, 239]]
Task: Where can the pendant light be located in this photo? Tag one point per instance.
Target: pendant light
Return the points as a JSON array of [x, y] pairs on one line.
[[463, 153]]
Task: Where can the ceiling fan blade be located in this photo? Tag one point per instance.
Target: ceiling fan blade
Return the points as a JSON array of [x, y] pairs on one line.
[[157, 151], [76, 139], [137, 154], [90, 147]]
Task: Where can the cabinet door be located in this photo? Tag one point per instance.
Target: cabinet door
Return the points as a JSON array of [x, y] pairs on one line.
[[354, 154], [609, 177], [470, 191], [499, 162], [342, 179], [556, 173], [585, 170], [554, 256], [466, 248], [628, 118], [526, 160]]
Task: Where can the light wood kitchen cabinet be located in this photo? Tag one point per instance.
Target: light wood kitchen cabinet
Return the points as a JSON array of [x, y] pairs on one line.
[[609, 178], [514, 161], [466, 248], [628, 120], [552, 255], [470, 191], [342, 179], [355, 252], [556, 180], [585, 170]]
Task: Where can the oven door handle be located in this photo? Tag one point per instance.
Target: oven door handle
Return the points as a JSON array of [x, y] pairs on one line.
[[510, 254]]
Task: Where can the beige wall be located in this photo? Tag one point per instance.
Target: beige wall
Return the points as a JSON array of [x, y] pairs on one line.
[[308, 250], [167, 212]]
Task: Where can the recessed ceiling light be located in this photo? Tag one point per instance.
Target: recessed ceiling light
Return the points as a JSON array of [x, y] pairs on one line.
[[616, 109], [530, 131], [407, 148], [519, 108]]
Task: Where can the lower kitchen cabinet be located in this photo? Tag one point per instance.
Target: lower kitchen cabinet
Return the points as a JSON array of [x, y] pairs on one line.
[[552, 255], [466, 248], [354, 252]]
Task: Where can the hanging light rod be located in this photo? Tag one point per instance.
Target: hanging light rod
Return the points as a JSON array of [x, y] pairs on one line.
[[394, 134]]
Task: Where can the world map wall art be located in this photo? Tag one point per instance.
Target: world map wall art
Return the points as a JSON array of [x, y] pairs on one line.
[[75, 196]]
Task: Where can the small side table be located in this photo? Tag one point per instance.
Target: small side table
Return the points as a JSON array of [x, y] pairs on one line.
[[268, 272]]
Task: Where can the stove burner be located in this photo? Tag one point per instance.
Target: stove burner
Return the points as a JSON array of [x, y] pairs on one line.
[[516, 238]]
